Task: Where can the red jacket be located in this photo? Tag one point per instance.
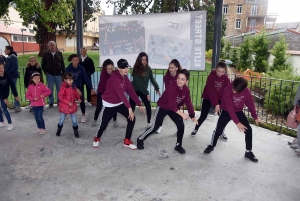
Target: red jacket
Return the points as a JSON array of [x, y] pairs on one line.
[[36, 90], [66, 95], [169, 79], [103, 81]]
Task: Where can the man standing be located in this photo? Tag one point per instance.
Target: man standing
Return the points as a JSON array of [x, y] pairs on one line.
[[53, 66], [89, 67], [11, 68]]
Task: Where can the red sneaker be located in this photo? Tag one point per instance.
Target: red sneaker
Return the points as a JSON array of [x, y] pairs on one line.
[[96, 142], [129, 144]]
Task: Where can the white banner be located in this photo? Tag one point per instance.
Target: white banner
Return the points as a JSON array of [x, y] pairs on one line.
[[163, 37]]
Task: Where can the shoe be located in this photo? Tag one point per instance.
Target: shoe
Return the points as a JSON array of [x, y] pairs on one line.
[[159, 129], [223, 137], [251, 156], [194, 132], [42, 132], [36, 131], [58, 130], [76, 134], [116, 124], [180, 149], [129, 144], [96, 142], [140, 144], [10, 127], [295, 146], [12, 108], [208, 149], [295, 141], [18, 109], [88, 103], [2, 124], [94, 124], [27, 107], [297, 151], [83, 119], [50, 105]]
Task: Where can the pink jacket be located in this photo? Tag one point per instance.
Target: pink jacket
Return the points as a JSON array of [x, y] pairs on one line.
[[36, 91]]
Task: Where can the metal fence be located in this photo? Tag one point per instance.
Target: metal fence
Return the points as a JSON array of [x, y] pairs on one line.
[[273, 98]]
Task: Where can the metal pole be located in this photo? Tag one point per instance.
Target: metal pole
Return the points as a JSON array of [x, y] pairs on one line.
[[79, 25], [217, 33]]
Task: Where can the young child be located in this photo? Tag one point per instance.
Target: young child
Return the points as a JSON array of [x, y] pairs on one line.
[[236, 95], [107, 70], [5, 83], [79, 74], [36, 94], [67, 95], [175, 94], [216, 82], [31, 67], [141, 75], [114, 100]]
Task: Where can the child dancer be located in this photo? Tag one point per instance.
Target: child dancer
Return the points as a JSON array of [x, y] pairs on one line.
[[172, 73], [67, 95], [31, 67], [107, 70], [141, 74], [236, 95], [79, 74], [114, 100], [216, 82], [5, 83], [36, 94], [175, 94]]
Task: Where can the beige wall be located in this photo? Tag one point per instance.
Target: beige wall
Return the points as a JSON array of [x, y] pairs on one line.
[[69, 45]]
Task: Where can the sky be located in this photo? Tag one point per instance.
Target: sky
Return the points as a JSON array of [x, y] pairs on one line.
[[288, 10]]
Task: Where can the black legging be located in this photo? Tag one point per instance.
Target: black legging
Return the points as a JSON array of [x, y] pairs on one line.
[[206, 104], [99, 107], [145, 101]]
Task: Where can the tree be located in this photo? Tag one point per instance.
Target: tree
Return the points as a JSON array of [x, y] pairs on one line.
[[227, 49], [260, 43], [234, 56], [279, 52], [222, 48], [4, 4], [245, 55]]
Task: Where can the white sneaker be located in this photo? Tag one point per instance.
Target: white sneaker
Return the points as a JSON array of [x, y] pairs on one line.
[[28, 107], [83, 119], [128, 143], [10, 127], [88, 103], [297, 151], [36, 131], [159, 129], [42, 132], [295, 146], [2, 124]]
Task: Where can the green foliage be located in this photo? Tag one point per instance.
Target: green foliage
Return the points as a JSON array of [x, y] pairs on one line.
[[260, 43], [245, 55], [222, 48], [208, 54], [234, 56], [4, 4], [279, 52], [227, 49]]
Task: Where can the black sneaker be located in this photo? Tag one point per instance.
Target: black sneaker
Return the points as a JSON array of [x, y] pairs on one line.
[[251, 156], [180, 149], [50, 105], [223, 137], [208, 149], [140, 144], [194, 132]]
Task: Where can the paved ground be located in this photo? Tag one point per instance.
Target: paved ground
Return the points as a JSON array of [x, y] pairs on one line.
[[42, 168]]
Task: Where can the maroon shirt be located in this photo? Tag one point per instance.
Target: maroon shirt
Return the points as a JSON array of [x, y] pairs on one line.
[[115, 90], [233, 103], [169, 79], [214, 87], [103, 81], [173, 96]]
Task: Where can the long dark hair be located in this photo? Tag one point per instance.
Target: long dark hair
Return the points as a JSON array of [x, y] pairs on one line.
[[138, 68], [177, 64], [107, 62], [34, 75]]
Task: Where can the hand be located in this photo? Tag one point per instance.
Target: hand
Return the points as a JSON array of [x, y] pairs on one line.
[[148, 97], [42, 96], [181, 107], [131, 115], [195, 120], [79, 101], [185, 116], [70, 104], [258, 121], [36, 98], [17, 99], [93, 92], [142, 110], [241, 127], [6, 101], [158, 92], [79, 92], [217, 109]]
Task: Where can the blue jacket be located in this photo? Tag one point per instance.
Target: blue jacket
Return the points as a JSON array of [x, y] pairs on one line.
[[78, 75], [12, 66]]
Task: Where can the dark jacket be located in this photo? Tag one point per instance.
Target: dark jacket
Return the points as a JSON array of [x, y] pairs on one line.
[[5, 83], [54, 65], [88, 65], [28, 72], [79, 75], [12, 66], [2, 59], [103, 81]]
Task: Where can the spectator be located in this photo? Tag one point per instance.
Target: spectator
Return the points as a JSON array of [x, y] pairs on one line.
[[53, 66]]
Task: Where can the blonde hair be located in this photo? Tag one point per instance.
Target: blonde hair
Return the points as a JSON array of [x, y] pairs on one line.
[[36, 62]]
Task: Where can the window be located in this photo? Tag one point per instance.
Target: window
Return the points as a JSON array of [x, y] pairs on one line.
[[254, 10], [31, 31], [18, 38], [31, 39], [225, 9], [238, 24], [239, 9], [252, 25]]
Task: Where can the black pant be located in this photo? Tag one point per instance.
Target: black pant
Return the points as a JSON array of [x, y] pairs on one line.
[[223, 121], [146, 103], [206, 104], [108, 112], [159, 116], [99, 107], [88, 90], [82, 104]]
